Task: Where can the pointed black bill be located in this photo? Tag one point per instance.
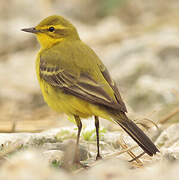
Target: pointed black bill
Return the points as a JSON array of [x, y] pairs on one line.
[[30, 30]]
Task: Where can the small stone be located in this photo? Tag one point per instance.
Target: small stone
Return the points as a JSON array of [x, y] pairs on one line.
[[53, 155], [169, 136], [30, 165]]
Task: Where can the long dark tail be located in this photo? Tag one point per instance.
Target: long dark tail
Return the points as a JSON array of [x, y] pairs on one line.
[[136, 133]]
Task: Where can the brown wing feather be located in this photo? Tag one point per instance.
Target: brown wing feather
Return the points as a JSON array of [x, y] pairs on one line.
[[113, 85], [83, 86]]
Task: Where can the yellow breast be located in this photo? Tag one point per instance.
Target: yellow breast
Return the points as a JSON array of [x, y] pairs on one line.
[[65, 103]]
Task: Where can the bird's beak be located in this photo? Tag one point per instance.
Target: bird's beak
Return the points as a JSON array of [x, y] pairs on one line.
[[31, 30]]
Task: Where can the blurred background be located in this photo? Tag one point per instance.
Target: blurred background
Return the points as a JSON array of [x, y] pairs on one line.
[[138, 40]]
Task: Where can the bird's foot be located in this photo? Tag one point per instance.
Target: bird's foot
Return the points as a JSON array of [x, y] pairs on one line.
[[98, 157]]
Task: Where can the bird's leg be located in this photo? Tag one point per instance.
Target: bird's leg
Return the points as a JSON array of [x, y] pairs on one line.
[[97, 137], [79, 125]]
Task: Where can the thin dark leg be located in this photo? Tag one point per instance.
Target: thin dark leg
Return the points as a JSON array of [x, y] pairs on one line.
[[97, 137], [79, 125]]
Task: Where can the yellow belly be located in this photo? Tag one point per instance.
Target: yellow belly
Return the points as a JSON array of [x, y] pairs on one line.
[[65, 103]]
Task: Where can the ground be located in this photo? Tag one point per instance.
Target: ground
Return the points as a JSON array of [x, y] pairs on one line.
[[138, 41]]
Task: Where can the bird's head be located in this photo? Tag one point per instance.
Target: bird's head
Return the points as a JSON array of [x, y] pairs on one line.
[[52, 30]]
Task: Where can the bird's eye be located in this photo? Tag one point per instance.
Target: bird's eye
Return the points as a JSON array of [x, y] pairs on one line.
[[51, 29]]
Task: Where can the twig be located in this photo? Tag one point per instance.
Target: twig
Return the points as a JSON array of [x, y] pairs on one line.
[[124, 146], [149, 120], [121, 152], [110, 156], [13, 129], [169, 116], [137, 157]]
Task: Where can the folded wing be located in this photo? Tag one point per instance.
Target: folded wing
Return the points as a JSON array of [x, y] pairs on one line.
[[82, 86]]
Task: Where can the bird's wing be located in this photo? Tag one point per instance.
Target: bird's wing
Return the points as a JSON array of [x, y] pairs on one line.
[[113, 85], [82, 86]]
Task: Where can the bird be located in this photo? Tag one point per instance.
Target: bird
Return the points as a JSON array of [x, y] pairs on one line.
[[74, 81]]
